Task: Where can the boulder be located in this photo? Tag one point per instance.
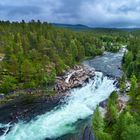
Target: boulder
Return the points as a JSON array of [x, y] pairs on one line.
[[75, 77], [103, 104], [2, 96]]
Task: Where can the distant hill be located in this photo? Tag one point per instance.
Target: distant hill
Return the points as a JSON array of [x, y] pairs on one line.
[[80, 27], [71, 26]]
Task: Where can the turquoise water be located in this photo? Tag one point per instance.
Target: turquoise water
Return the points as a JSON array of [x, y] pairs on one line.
[[79, 105]]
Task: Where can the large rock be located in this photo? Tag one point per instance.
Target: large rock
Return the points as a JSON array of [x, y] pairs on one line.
[[75, 77]]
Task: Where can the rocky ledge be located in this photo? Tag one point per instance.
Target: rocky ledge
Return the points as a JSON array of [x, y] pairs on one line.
[[73, 78], [28, 106]]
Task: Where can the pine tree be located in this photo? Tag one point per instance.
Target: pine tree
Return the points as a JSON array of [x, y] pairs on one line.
[[133, 88], [98, 122]]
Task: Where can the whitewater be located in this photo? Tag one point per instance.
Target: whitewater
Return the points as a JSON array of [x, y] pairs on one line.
[[79, 105]]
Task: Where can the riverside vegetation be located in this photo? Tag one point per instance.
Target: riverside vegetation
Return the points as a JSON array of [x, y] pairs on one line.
[[124, 125], [34, 53]]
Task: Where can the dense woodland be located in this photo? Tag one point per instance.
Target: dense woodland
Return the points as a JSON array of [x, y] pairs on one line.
[[35, 53], [124, 125]]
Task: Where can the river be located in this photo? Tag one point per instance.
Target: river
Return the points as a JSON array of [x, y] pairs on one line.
[[75, 110]]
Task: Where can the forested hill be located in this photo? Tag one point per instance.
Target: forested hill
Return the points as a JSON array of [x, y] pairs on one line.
[[80, 27], [32, 54], [73, 27]]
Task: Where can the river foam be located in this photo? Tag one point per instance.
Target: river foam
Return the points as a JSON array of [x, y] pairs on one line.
[[79, 105]]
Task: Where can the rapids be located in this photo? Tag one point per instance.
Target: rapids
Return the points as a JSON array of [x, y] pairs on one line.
[[79, 105]]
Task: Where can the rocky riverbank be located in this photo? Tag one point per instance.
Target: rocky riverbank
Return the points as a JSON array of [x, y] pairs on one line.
[[74, 78], [123, 99], [34, 103]]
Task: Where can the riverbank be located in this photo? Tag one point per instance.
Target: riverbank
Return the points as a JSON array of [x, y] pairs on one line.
[[72, 78], [65, 117], [70, 114], [77, 76], [25, 106]]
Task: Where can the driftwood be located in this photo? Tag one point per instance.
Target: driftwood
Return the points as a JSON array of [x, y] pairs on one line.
[[75, 77]]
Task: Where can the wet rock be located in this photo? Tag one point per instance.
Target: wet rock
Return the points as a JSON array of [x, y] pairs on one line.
[[115, 82], [75, 77], [26, 108], [2, 96], [88, 134], [103, 104]]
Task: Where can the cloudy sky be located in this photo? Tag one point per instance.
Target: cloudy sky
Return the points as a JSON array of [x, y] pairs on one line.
[[95, 13]]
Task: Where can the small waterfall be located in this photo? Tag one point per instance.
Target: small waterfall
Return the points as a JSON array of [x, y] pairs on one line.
[[79, 105]]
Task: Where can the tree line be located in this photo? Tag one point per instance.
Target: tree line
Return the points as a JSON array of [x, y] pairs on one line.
[[124, 125], [34, 53]]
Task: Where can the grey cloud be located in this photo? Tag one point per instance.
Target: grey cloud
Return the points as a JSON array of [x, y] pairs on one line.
[[24, 10], [109, 13], [101, 13], [17, 12]]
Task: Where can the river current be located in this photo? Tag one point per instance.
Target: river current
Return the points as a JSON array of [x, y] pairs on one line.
[[78, 106]]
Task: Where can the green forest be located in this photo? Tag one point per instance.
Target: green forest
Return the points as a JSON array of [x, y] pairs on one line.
[[35, 53], [70, 70], [124, 125]]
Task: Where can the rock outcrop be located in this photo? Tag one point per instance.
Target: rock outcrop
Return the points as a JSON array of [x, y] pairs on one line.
[[75, 77]]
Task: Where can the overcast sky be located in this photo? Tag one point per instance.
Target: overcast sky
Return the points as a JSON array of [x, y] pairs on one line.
[[96, 13]]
